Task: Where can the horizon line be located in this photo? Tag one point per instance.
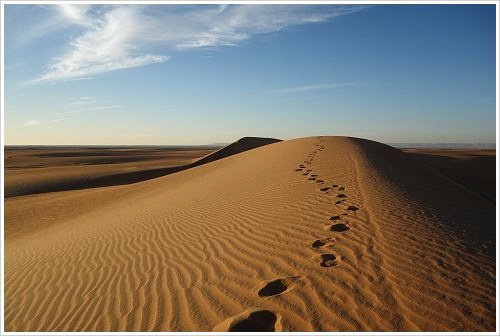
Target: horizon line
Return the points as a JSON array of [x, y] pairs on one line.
[[227, 143]]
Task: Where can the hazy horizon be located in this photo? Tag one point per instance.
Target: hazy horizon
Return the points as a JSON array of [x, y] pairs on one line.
[[203, 74], [444, 145]]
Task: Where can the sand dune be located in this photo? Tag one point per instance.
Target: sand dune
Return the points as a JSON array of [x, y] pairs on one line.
[[473, 169], [40, 170], [237, 147], [312, 234], [61, 174]]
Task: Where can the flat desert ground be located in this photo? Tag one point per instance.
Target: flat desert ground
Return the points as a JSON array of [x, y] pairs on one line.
[[312, 234]]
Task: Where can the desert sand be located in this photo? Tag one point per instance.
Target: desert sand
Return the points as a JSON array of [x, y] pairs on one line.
[[472, 168], [312, 234]]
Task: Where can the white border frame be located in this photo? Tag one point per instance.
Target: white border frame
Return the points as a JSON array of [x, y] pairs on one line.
[[2, 142]]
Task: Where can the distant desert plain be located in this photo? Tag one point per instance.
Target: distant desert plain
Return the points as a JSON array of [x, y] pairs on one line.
[[321, 233]]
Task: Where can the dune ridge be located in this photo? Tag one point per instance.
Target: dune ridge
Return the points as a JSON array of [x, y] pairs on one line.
[[311, 234]]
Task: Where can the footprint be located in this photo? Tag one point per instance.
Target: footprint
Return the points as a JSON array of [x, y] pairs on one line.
[[321, 181], [314, 175], [321, 242], [298, 169], [352, 208], [308, 170], [329, 260], [340, 227], [341, 188], [302, 166], [274, 287], [305, 174], [337, 217], [335, 185], [340, 202], [325, 188], [340, 195], [257, 321], [312, 178]]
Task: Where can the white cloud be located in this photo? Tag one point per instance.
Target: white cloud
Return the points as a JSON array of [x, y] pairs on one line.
[[108, 107], [57, 120], [87, 103], [34, 122], [73, 107], [118, 37], [313, 87], [81, 102], [76, 13], [109, 43], [77, 79], [232, 25], [50, 19]]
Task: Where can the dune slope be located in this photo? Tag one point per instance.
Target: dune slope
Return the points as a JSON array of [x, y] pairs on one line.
[[312, 234], [69, 177], [46, 169]]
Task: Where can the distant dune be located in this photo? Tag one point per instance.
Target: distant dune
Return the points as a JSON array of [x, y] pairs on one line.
[[474, 169], [312, 234], [239, 146], [67, 176]]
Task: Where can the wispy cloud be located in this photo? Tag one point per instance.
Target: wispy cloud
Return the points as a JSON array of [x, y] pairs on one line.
[[87, 103], [72, 108], [76, 14], [313, 87], [81, 101], [118, 37], [24, 31], [57, 120], [96, 108], [36, 122], [33, 122], [77, 79]]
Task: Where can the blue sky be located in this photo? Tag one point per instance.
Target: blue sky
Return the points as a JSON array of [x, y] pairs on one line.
[[198, 74]]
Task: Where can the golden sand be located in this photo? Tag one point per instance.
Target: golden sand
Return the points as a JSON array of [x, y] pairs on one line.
[[311, 234]]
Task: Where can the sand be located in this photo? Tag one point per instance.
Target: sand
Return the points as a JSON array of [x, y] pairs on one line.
[[45, 169], [311, 234], [474, 169]]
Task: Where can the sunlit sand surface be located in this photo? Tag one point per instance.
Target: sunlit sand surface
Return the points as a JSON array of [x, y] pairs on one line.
[[312, 234]]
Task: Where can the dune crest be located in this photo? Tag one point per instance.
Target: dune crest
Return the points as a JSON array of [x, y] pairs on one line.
[[312, 234], [240, 146]]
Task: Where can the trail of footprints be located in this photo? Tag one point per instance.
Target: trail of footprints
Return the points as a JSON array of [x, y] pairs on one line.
[[264, 320], [326, 257]]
